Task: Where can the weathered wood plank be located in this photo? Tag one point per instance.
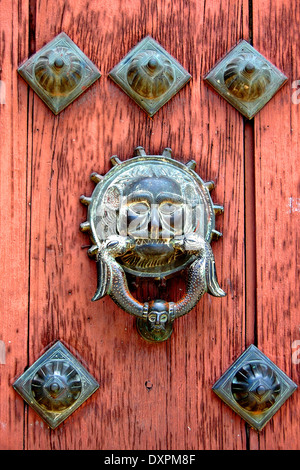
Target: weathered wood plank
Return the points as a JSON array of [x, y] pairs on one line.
[[276, 35], [14, 220], [151, 396]]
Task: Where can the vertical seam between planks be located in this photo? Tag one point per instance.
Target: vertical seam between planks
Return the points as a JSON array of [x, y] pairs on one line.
[[27, 231], [250, 12], [250, 252], [250, 235], [31, 50], [250, 243]]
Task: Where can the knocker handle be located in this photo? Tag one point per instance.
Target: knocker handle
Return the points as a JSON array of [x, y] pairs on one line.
[[155, 319]]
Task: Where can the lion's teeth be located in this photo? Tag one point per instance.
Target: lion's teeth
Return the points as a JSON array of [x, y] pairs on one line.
[[147, 241]]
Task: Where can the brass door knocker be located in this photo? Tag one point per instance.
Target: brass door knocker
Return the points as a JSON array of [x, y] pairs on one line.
[[152, 216]]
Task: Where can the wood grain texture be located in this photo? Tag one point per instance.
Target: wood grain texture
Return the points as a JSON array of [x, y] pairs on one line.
[[150, 396], [14, 220], [155, 397], [276, 35]]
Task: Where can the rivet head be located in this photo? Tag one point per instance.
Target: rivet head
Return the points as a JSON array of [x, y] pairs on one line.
[[152, 63], [61, 75], [260, 390], [242, 82], [150, 75], [59, 63], [54, 387], [249, 67]]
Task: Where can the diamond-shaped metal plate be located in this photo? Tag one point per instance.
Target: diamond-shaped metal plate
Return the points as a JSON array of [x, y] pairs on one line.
[[254, 387], [149, 75], [56, 385], [59, 72], [246, 79]]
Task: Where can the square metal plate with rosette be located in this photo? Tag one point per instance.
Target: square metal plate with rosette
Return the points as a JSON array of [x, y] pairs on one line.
[[149, 75], [59, 72], [246, 79], [56, 385], [254, 387]]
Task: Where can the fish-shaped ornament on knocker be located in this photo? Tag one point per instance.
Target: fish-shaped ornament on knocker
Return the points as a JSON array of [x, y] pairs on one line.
[[152, 216]]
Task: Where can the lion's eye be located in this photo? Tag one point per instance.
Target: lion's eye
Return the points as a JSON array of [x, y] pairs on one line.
[[139, 208], [168, 208], [112, 243]]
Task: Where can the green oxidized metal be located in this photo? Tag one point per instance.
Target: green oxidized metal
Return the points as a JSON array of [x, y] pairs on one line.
[[254, 387], [56, 385], [149, 75], [59, 72], [246, 79]]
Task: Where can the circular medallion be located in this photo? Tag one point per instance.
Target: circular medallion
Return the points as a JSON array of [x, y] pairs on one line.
[[58, 71], [56, 386], [153, 199], [255, 387], [247, 77], [150, 74]]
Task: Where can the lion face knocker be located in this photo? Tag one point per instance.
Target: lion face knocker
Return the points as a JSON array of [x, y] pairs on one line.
[[152, 216]]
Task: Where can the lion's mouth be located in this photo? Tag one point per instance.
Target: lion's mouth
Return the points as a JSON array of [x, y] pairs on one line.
[[149, 253], [149, 241]]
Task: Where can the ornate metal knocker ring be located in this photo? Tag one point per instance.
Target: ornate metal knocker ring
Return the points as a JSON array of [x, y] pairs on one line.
[[152, 216]]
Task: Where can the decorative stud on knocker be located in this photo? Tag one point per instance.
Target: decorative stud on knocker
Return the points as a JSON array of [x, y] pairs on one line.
[[246, 79], [59, 72], [152, 216], [149, 75]]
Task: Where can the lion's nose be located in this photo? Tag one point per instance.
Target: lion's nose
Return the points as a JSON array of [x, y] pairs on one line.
[[155, 223]]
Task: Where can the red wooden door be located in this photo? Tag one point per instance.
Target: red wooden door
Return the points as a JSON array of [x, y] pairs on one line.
[[151, 396]]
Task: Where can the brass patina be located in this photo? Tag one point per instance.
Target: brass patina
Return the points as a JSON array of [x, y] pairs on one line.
[[59, 72], [254, 387], [56, 385], [152, 216], [246, 79], [149, 75]]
